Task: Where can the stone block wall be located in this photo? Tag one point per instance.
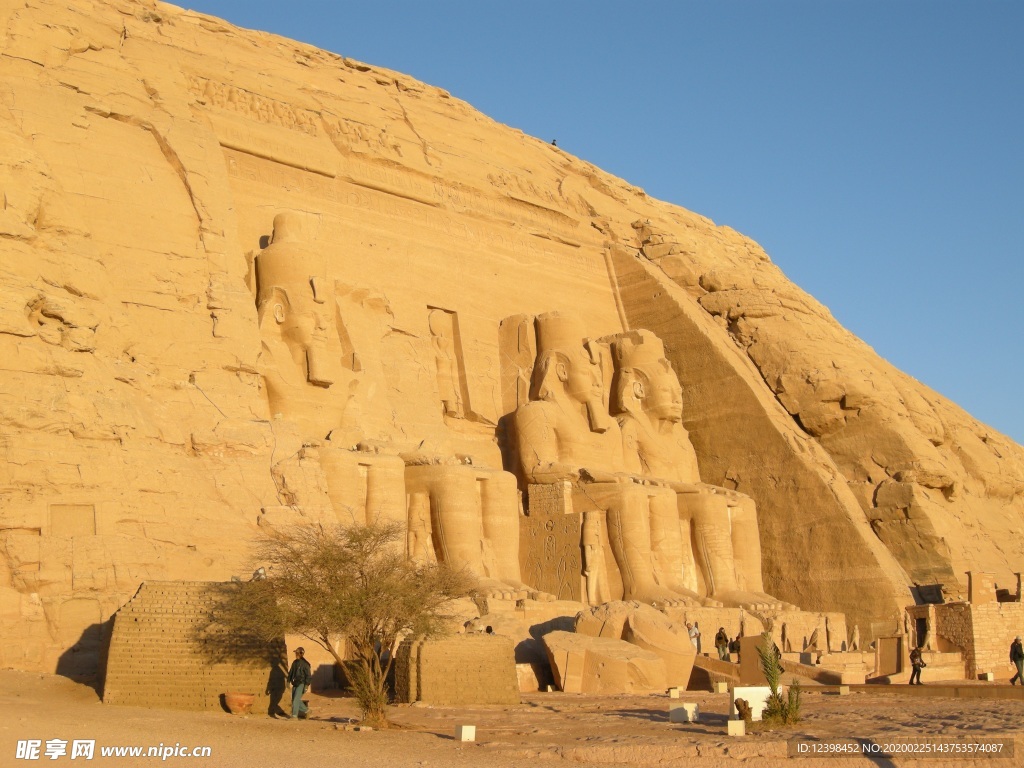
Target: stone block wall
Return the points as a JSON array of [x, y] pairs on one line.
[[160, 658], [983, 632], [995, 626], [954, 629], [461, 669]]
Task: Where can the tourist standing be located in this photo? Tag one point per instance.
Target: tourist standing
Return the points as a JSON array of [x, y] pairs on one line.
[[1017, 659], [694, 635], [299, 677], [722, 644], [917, 662]]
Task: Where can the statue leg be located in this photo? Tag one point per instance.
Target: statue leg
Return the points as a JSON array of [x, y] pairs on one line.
[[712, 542], [629, 534], [691, 576], [671, 554], [746, 545], [366, 488], [499, 498], [456, 502], [385, 491], [713, 537]]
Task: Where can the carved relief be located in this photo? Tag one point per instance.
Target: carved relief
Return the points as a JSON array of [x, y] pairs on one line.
[[252, 105], [450, 374], [452, 511]]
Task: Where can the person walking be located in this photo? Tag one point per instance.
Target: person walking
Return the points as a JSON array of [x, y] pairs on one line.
[[1017, 659], [299, 677], [722, 644], [917, 661]]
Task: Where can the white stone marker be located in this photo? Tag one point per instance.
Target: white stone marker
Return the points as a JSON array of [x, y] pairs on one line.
[[737, 728], [756, 696], [684, 712], [844, 690], [465, 733], [673, 693], [721, 687], [990, 676]]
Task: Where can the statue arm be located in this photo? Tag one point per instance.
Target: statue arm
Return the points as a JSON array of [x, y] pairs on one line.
[[537, 441]]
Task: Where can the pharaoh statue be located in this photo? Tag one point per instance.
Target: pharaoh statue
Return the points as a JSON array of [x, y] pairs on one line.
[[564, 433], [714, 547], [310, 377], [474, 509], [450, 510]]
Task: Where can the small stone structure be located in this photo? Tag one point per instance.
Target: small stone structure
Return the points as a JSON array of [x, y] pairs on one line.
[[461, 669], [981, 629], [160, 657]]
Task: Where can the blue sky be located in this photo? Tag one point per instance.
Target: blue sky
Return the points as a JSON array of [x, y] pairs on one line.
[[874, 148]]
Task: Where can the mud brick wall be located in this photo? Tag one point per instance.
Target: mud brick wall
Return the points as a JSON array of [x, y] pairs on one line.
[[159, 656], [461, 669]]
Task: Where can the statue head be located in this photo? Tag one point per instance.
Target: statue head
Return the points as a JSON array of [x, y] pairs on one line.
[[568, 366], [646, 382], [292, 297]]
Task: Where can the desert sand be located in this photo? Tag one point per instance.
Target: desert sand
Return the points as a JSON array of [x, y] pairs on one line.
[[546, 729]]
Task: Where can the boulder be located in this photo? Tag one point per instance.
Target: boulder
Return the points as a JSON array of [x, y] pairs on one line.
[[585, 664], [647, 628]]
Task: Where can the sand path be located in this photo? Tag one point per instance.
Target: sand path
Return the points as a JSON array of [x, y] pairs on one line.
[[547, 730]]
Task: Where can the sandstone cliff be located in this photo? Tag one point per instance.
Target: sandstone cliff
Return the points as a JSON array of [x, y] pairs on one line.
[[144, 152]]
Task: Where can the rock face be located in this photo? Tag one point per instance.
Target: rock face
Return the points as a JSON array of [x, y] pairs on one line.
[[172, 380]]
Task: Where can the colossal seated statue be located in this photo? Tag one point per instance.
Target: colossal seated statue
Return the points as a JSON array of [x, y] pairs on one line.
[[310, 378], [451, 510], [566, 434], [714, 549]]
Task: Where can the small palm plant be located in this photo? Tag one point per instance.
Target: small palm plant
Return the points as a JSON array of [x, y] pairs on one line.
[[779, 709]]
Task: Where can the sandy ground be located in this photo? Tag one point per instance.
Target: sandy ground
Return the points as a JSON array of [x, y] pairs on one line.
[[546, 730]]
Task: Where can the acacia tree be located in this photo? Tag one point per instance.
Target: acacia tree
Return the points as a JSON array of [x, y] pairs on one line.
[[351, 581]]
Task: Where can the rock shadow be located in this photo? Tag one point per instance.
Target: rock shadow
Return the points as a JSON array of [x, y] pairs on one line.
[[85, 662]]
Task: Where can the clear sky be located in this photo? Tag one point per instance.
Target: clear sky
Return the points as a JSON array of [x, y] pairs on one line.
[[874, 148]]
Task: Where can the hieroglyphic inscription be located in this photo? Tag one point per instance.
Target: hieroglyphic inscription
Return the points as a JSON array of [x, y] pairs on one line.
[[470, 200], [373, 198], [347, 135], [252, 105], [551, 536]]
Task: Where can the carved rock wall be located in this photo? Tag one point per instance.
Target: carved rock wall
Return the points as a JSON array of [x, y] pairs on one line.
[[144, 152]]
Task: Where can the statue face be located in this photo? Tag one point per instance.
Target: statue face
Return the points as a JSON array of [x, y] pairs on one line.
[[664, 399], [582, 376], [304, 327], [297, 323]]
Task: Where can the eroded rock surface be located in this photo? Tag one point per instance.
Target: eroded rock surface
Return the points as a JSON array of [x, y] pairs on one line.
[[145, 152]]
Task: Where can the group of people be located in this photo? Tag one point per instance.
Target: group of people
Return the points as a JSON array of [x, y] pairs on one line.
[[723, 644]]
